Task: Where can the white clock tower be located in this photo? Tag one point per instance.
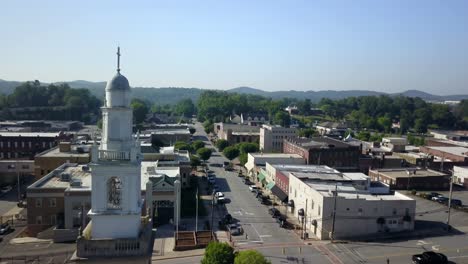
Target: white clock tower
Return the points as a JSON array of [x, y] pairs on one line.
[[116, 190]]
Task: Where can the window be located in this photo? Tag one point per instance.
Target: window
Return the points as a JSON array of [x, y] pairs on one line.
[[394, 211], [16, 144], [360, 211], [406, 211], [52, 202], [22, 144], [312, 205], [1, 144], [295, 193], [38, 202], [39, 220], [319, 210], [53, 219], [30, 144]]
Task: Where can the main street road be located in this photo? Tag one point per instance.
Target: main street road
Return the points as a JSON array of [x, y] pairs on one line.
[[283, 246]]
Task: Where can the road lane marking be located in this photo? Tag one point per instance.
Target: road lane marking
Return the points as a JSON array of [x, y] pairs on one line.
[[265, 235]]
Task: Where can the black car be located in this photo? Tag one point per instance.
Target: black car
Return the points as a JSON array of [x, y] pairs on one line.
[[263, 200], [274, 212], [247, 181], [430, 257], [281, 220], [430, 195]]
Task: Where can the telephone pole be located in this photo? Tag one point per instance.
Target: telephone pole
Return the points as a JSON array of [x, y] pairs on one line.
[[450, 201]]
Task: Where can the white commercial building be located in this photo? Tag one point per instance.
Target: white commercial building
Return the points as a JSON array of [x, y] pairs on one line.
[[255, 161], [271, 137], [359, 213], [460, 176]]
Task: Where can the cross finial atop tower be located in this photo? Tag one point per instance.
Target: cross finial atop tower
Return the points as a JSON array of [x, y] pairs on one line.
[[118, 59]]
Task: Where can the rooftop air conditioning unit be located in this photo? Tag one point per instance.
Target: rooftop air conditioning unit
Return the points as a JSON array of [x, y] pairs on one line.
[[75, 183], [65, 176]]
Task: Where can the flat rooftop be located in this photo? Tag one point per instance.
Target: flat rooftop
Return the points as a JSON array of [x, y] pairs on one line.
[[75, 152], [349, 192], [30, 134], [275, 155], [320, 142], [459, 151], [409, 173], [56, 179], [305, 168]]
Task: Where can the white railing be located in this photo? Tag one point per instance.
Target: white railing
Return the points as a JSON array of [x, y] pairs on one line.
[[114, 155]]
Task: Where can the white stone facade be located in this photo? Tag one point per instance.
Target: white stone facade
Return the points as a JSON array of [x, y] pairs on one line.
[[271, 137], [358, 213]]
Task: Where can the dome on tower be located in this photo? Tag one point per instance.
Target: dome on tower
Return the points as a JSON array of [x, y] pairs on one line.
[[118, 82]]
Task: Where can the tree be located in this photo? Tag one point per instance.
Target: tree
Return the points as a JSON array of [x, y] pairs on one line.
[[198, 144], [385, 123], [231, 152], [221, 144], [307, 132], [243, 158], [247, 147], [208, 126], [304, 107], [185, 108], [180, 145], [282, 118], [204, 153], [194, 161], [140, 110], [218, 253], [250, 257]]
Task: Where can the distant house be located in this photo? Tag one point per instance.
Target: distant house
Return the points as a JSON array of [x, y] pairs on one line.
[[331, 129], [251, 119], [235, 133]]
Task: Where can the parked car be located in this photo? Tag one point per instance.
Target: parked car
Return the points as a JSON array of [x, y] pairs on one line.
[[453, 202], [219, 194], [274, 212], [264, 200], [258, 193], [442, 199], [430, 195], [253, 188], [215, 188], [211, 180], [5, 189], [235, 229], [4, 228], [220, 200], [436, 197], [430, 257], [247, 181]]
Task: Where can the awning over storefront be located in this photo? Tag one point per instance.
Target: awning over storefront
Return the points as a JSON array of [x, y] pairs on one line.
[[277, 191], [270, 185], [261, 176]]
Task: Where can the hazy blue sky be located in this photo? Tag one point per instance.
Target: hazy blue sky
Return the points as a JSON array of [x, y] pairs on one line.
[[271, 45]]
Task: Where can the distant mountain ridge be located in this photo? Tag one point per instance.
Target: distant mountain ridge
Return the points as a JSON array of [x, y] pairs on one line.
[[171, 95]]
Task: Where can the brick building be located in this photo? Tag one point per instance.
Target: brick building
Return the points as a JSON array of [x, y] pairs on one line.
[[25, 145], [411, 178], [325, 151], [49, 160]]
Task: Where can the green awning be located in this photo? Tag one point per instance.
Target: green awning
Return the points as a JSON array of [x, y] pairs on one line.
[[261, 176], [270, 185]]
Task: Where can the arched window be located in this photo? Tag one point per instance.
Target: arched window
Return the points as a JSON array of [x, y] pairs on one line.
[[114, 193]]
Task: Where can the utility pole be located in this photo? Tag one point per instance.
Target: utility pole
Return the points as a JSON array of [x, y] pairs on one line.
[[196, 210], [334, 213], [450, 201], [212, 211], [305, 220], [18, 180]]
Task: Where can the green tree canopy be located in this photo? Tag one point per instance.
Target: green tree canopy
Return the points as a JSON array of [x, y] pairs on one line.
[[185, 108], [181, 145], [250, 257], [218, 253], [204, 153], [221, 144], [140, 110], [194, 161], [198, 144], [231, 152], [247, 147], [282, 118], [243, 158]]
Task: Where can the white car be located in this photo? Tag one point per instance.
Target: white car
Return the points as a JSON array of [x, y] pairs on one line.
[[253, 188], [219, 194], [235, 229]]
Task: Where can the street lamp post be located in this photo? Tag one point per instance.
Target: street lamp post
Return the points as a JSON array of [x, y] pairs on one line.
[[212, 213]]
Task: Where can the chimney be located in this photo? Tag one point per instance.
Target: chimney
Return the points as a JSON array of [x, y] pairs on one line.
[[64, 146]]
